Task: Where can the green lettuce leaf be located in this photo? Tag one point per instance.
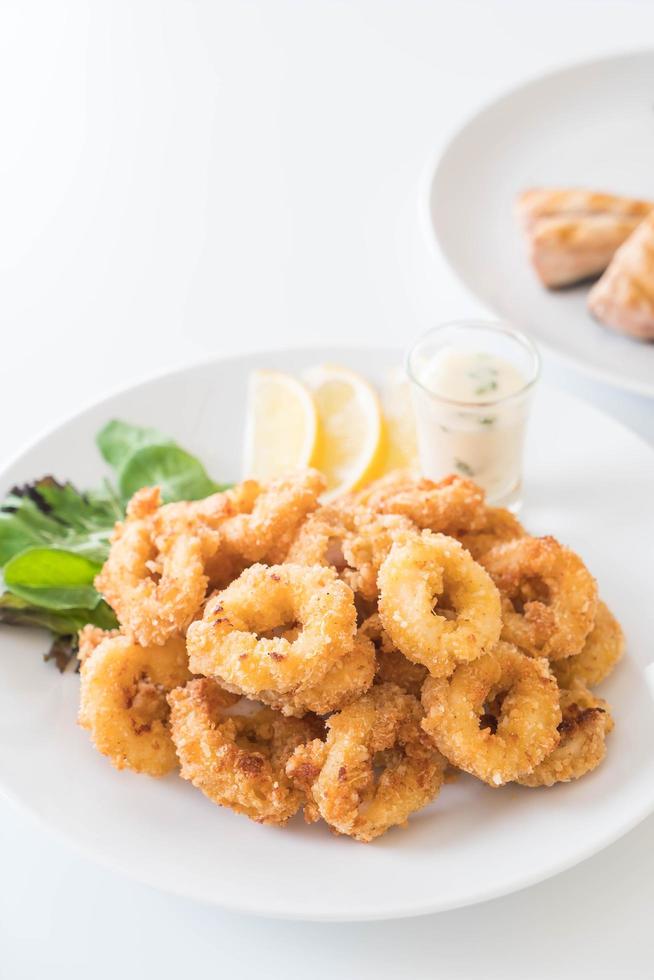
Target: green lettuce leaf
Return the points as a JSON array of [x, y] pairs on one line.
[[15, 611], [64, 625], [179, 475], [54, 538], [146, 458], [54, 515], [53, 578], [117, 441]]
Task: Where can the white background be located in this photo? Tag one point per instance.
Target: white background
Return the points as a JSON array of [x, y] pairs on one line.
[[179, 178]]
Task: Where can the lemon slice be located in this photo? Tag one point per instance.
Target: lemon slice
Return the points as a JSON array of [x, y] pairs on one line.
[[401, 450], [350, 427], [281, 427]]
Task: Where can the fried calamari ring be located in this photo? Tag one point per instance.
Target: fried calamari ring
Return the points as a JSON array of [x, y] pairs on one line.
[[266, 530], [204, 519], [549, 598], [392, 666], [344, 682], [237, 761], [499, 526], [352, 539], [237, 639], [583, 730], [123, 701], [521, 730], [438, 606], [602, 651], [368, 547], [154, 582], [451, 506], [320, 539], [206, 515], [381, 731], [89, 639]]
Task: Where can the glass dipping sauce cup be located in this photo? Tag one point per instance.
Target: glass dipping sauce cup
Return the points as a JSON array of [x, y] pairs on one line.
[[480, 440]]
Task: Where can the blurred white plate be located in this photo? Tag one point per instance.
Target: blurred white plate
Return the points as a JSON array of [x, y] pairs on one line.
[[592, 126], [589, 481]]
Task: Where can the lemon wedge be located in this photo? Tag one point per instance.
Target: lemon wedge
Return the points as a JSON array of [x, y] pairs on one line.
[[350, 428], [401, 449], [282, 425]]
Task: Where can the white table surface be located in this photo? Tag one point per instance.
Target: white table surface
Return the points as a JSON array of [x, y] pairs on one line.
[[184, 178]]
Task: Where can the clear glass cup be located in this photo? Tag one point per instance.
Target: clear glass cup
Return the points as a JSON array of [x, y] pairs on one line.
[[482, 440]]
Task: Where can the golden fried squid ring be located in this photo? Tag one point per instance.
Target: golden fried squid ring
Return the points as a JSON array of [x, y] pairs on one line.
[[320, 539], [499, 526], [392, 666], [266, 530], [351, 539], [238, 642], [438, 606], [586, 723], [549, 598], [237, 761], [367, 549], [451, 506], [602, 651], [154, 582], [344, 682], [208, 514], [123, 701], [89, 639], [501, 744], [204, 519], [380, 732]]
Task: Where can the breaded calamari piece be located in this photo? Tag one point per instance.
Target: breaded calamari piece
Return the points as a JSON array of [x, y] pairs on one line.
[[123, 701], [602, 650], [583, 729], [495, 718], [549, 598], [439, 607], [381, 731], [238, 761]]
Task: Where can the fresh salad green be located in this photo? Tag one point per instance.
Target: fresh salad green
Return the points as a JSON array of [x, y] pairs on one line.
[[54, 538]]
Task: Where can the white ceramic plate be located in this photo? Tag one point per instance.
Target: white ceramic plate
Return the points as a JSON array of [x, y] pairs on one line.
[[589, 481], [591, 125]]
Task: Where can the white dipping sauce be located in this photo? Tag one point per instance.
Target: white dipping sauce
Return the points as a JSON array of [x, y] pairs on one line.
[[467, 421]]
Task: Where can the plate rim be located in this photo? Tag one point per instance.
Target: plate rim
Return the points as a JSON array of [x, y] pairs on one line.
[[430, 175], [299, 913], [152, 878], [191, 364]]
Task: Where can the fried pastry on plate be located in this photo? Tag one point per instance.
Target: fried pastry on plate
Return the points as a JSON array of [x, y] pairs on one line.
[[573, 234], [624, 296]]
